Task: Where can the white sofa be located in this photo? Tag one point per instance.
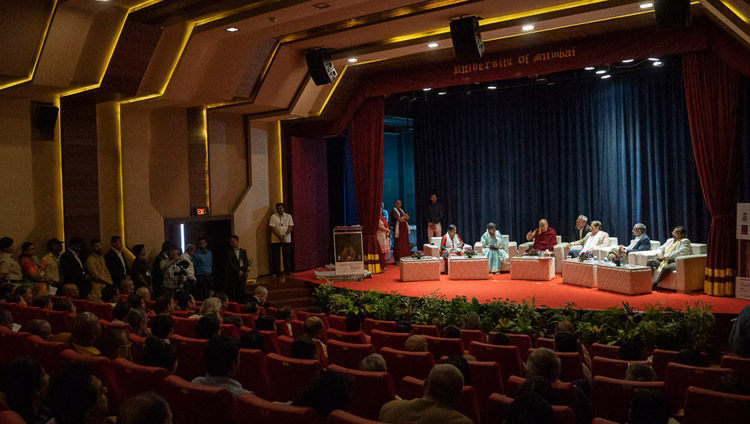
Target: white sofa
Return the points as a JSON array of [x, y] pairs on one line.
[[690, 273], [562, 250]]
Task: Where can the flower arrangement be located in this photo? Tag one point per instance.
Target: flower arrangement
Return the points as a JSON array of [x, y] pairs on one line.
[[585, 256], [418, 254], [470, 253], [534, 252], [619, 259]]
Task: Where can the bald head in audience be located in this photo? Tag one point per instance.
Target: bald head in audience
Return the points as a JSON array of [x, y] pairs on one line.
[[38, 327], [416, 343], [444, 384], [145, 408], [314, 327], [85, 329], [70, 291]]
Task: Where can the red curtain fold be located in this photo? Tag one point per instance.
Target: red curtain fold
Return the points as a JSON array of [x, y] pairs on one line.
[[711, 95], [366, 134]]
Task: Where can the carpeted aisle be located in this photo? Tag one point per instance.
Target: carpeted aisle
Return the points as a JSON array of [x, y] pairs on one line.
[[548, 293]]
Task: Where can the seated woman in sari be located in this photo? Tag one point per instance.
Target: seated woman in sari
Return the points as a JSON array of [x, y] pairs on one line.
[[494, 247], [451, 243]]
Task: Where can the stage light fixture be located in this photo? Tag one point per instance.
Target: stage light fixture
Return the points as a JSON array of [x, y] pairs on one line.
[[646, 5], [432, 45], [426, 89], [232, 29], [658, 63], [653, 59], [492, 87], [442, 93], [628, 60], [608, 76], [527, 27], [601, 71], [589, 68], [352, 60]]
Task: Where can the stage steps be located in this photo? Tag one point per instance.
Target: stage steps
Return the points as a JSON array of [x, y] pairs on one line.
[[285, 291]]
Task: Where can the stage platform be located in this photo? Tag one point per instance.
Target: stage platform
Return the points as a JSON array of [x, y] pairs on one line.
[[548, 293]]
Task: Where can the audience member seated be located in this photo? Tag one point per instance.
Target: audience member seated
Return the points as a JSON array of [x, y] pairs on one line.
[[25, 293], [438, 405], [136, 318], [540, 386], [110, 295], [137, 302], [304, 348], [6, 319], [471, 321], [265, 323], [650, 406], [568, 342], [5, 290], [415, 343], [164, 305], [463, 365], [739, 338], [162, 326], [157, 353], [70, 291], [127, 287], [222, 296], [543, 362], [640, 372], [38, 327], [530, 408], [326, 393], [565, 326], [144, 293], [145, 408], [315, 329], [452, 332], [185, 302], [64, 305], [591, 240], [120, 312], [403, 326], [15, 298], [732, 384], [283, 314], [24, 386], [352, 323], [114, 343], [500, 339], [211, 306], [232, 319], [84, 330], [260, 296], [640, 243], [373, 363], [76, 396], [222, 362], [692, 357], [252, 309], [43, 302], [207, 327], [630, 351], [253, 340]]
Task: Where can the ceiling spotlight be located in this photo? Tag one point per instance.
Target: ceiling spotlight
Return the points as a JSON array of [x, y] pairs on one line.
[[653, 59], [658, 63], [589, 68], [527, 27], [352, 60], [232, 29], [426, 89], [606, 76], [432, 45], [601, 71], [492, 87], [646, 5], [628, 60], [442, 93]]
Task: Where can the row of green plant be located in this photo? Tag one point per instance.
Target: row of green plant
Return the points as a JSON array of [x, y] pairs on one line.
[[693, 327]]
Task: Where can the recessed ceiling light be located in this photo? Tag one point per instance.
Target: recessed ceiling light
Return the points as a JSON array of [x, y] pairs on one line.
[[442, 93], [658, 63], [589, 68], [492, 87], [232, 29], [527, 27], [601, 71], [628, 60], [653, 59], [646, 5], [432, 45], [606, 76], [352, 60]]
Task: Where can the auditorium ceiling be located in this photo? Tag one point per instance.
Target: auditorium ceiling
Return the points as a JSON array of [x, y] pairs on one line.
[[248, 57]]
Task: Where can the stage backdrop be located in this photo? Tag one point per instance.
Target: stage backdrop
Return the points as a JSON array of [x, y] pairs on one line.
[[615, 150]]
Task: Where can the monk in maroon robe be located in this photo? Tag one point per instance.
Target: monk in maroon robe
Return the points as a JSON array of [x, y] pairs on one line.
[[545, 237]]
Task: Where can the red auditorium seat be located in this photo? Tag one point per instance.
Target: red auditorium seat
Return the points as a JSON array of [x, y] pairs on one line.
[[741, 366], [10, 417], [25, 313], [660, 360], [151, 304], [48, 353], [371, 391], [271, 341], [426, 330], [522, 341], [182, 314], [247, 319], [612, 368], [497, 408], [342, 417], [440, 346], [610, 397], [136, 347], [598, 420], [347, 355], [401, 364], [298, 328], [486, 378], [707, 406], [288, 376], [571, 368], [103, 311], [134, 378], [468, 336], [566, 392], [303, 315], [282, 328], [605, 351], [413, 388], [107, 324], [184, 327], [346, 336], [253, 372], [508, 357], [230, 330], [82, 305], [190, 356], [255, 410], [233, 307], [102, 368], [381, 339], [285, 345], [59, 321], [198, 404], [545, 342], [14, 345], [376, 324], [680, 377], [337, 322]]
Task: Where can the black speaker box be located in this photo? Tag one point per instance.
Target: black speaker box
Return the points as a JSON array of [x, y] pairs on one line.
[[672, 14], [46, 118], [320, 67], [467, 40]]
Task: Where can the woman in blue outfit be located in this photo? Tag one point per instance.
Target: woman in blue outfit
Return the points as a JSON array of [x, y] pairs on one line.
[[494, 247]]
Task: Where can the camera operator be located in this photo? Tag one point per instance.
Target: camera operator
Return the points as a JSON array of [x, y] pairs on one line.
[[174, 270], [190, 280]]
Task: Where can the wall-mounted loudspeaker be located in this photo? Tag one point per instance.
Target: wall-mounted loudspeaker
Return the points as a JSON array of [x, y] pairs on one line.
[[467, 40], [46, 117], [320, 67], [672, 14]]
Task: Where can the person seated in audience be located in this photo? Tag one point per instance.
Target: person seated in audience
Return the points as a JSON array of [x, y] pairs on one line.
[[403, 326], [544, 362], [76, 396], [64, 305], [157, 353], [25, 293], [415, 343], [500, 339], [472, 321], [15, 298], [630, 351], [5, 290], [207, 327], [110, 295], [304, 348], [640, 243], [597, 237], [732, 384], [137, 302], [462, 364], [162, 326], [438, 405], [145, 408], [127, 287], [543, 238], [114, 343], [452, 332], [691, 357], [540, 386], [266, 323], [84, 330], [42, 302], [222, 362], [373, 363], [530, 408], [328, 392], [120, 312], [739, 337], [185, 302], [38, 327], [6, 319], [70, 291], [253, 340], [144, 293], [640, 372], [493, 246], [283, 314], [568, 342], [565, 326], [260, 297], [25, 386], [352, 323], [211, 306], [164, 305], [233, 320], [581, 229], [664, 264], [314, 328], [224, 300], [650, 406], [451, 242], [137, 320], [252, 309]]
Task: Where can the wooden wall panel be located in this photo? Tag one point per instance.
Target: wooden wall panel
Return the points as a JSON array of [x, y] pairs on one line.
[[197, 158]]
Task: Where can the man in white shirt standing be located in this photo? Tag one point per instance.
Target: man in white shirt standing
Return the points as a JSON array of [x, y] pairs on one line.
[[281, 226]]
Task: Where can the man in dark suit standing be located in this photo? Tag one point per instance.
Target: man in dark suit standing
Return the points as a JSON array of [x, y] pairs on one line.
[[118, 267], [237, 265], [71, 264], [157, 278]]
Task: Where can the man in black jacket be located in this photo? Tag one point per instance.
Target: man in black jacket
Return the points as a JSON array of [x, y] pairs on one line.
[[157, 279], [118, 267], [237, 265], [71, 265]]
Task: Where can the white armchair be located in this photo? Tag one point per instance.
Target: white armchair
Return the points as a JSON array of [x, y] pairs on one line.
[[600, 252], [690, 273]]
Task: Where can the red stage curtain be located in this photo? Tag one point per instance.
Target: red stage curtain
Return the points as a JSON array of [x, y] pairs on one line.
[[711, 94], [366, 134]]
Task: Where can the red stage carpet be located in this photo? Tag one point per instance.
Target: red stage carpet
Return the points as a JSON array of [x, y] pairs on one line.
[[548, 293]]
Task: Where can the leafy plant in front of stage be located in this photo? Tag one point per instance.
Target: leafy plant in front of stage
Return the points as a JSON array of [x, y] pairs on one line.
[[528, 319], [431, 309], [699, 323]]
